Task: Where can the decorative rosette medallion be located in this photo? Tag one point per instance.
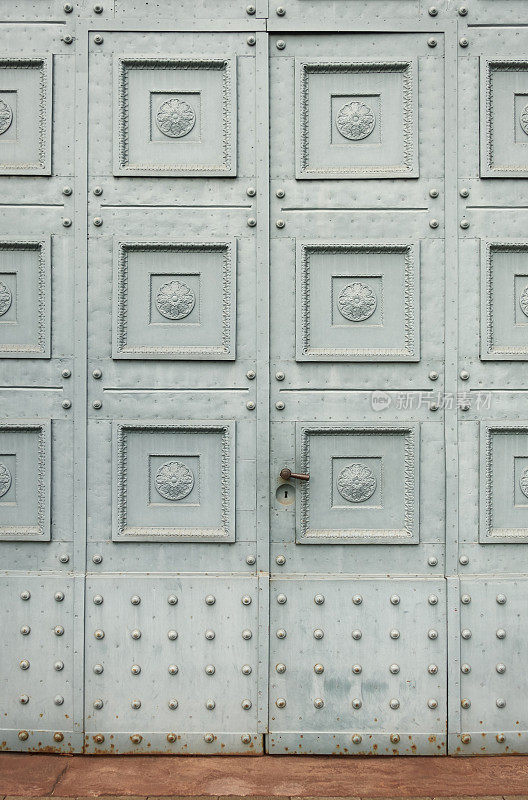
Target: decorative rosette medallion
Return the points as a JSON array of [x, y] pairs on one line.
[[6, 298], [175, 300], [175, 118], [174, 480], [523, 120], [356, 483], [356, 302], [523, 482], [5, 480], [523, 301], [6, 116], [355, 120]]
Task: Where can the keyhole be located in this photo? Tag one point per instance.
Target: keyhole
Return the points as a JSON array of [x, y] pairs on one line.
[[285, 494]]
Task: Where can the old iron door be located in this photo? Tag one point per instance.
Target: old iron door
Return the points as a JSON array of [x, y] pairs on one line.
[[357, 600]]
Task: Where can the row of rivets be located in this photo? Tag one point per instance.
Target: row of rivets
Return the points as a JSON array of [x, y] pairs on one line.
[[357, 599], [500, 633], [24, 699], [356, 634], [173, 669], [26, 594], [136, 738], [172, 635], [24, 735], [356, 703], [173, 704], [172, 600], [97, 558], [394, 669]]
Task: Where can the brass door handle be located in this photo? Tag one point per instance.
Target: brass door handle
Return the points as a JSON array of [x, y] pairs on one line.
[[286, 474]]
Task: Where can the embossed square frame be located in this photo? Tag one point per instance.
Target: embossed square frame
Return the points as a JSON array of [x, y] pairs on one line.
[[503, 482], [503, 118], [504, 301]]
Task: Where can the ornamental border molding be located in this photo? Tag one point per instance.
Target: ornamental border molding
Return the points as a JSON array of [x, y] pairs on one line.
[[41, 530], [225, 350], [411, 485], [487, 533], [226, 65], [489, 351], [407, 69], [411, 349], [120, 530], [44, 116], [486, 106], [41, 346]]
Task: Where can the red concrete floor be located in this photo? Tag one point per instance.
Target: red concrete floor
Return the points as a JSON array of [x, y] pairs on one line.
[[57, 776]]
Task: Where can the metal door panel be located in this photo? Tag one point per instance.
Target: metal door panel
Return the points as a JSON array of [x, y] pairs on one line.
[[370, 681], [334, 14], [185, 683]]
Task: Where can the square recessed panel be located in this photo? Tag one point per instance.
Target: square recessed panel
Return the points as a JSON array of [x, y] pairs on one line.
[[175, 116], [503, 482], [357, 302], [504, 301], [25, 299], [356, 119], [25, 472], [175, 300], [25, 116], [174, 481], [363, 486], [503, 118]]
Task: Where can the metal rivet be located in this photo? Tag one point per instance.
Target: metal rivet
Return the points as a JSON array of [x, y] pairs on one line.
[[252, 222], [434, 407], [250, 10], [246, 669], [432, 42], [98, 704], [432, 634], [66, 403], [67, 190], [67, 38], [465, 738], [281, 633], [250, 375], [465, 668], [463, 11], [97, 558], [501, 668], [394, 634], [466, 599], [357, 669], [173, 669], [356, 635], [432, 599], [246, 600], [465, 703], [280, 193], [280, 223], [394, 704], [98, 39], [433, 223], [135, 634], [464, 560], [500, 737], [464, 223], [58, 630], [136, 738], [171, 737], [432, 703], [433, 193], [395, 738], [281, 668], [318, 702], [23, 735], [172, 635], [98, 221], [464, 192], [394, 669], [58, 665], [250, 405], [395, 599], [279, 376], [280, 11], [250, 560], [251, 191], [318, 669], [281, 599], [173, 704], [251, 40], [246, 634], [319, 599], [135, 669], [432, 669], [280, 405], [463, 42], [97, 404], [64, 558], [25, 630], [59, 596], [280, 44], [501, 599], [245, 738], [209, 635], [24, 664], [66, 221], [357, 599], [318, 633], [466, 633], [210, 705], [280, 560], [25, 595], [98, 669], [432, 561], [500, 702], [280, 702], [209, 738], [210, 600], [68, 8], [433, 376], [433, 11], [246, 704], [99, 738], [97, 374], [24, 699], [464, 375], [357, 738], [135, 600], [99, 634], [210, 669], [501, 633], [172, 600], [58, 700], [98, 190]]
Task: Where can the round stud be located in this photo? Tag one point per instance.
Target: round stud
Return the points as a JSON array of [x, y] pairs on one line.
[[501, 633], [58, 630], [501, 668], [24, 699], [25, 630], [98, 599], [432, 669], [394, 669], [318, 669], [432, 599], [465, 633], [280, 702], [500, 737], [465, 668], [395, 599], [463, 11], [172, 600], [172, 635], [395, 738], [97, 404], [24, 664], [98, 191], [64, 558], [465, 599], [210, 705], [465, 703], [432, 42], [98, 221], [210, 669], [318, 702], [357, 738], [135, 600], [245, 738], [463, 41], [23, 735], [464, 560], [280, 560], [251, 191], [281, 599], [356, 703], [280, 11], [394, 704], [465, 738], [246, 704], [66, 403], [246, 634], [135, 634], [98, 669], [464, 224], [280, 405], [58, 736], [98, 704], [501, 599], [135, 704], [394, 634], [280, 223], [357, 669], [135, 669], [500, 702], [432, 561], [464, 192], [98, 738], [433, 223], [66, 373], [464, 375], [281, 669], [67, 190], [433, 11], [173, 704], [318, 633], [99, 634], [171, 738], [252, 222], [58, 700], [250, 560], [97, 374], [136, 738], [209, 635], [66, 221], [357, 599], [251, 374], [250, 405], [25, 595], [173, 669], [281, 633], [97, 558], [251, 40], [357, 635], [209, 738], [280, 193], [433, 376], [246, 600], [432, 703], [319, 599], [58, 666]]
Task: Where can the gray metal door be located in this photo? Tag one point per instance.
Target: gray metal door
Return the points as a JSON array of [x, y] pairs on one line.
[[234, 242]]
